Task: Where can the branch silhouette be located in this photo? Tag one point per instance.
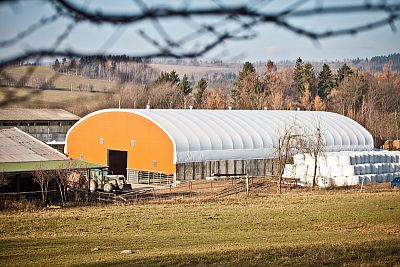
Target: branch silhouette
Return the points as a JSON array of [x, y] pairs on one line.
[[241, 19]]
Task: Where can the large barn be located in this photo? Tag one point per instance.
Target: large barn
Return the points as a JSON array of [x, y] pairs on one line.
[[176, 145]]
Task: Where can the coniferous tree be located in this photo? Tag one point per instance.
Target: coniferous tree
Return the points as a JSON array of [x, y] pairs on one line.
[[184, 86], [342, 73], [325, 81], [298, 74]]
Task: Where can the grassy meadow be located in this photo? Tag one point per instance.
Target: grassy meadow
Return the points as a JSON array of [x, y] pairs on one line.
[[292, 229]]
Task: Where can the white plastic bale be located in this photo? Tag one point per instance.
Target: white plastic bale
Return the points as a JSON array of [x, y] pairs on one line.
[[352, 180], [378, 178], [358, 160], [362, 169], [340, 181], [367, 168], [289, 171], [389, 177], [362, 179], [380, 168], [353, 159], [385, 168], [397, 167], [301, 171], [324, 171], [373, 178], [336, 171], [344, 160], [298, 159], [332, 160], [349, 170], [391, 167]]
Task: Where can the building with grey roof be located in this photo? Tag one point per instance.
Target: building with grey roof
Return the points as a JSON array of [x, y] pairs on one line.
[[47, 125]]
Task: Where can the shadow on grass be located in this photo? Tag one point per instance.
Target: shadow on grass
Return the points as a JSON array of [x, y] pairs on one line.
[[379, 253]]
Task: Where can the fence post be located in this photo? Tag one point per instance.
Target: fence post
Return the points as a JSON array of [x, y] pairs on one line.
[[247, 185]]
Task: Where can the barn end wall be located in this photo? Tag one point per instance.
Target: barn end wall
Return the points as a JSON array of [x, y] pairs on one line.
[[148, 147]]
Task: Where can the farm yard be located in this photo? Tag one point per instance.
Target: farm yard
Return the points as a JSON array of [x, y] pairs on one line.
[[298, 227]]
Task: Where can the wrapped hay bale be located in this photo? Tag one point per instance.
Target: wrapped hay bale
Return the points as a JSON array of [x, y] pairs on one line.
[[340, 181], [352, 180], [353, 159], [289, 171], [301, 171], [336, 170], [367, 168], [349, 170], [332, 159], [344, 160], [298, 159], [391, 167], [324, 171], [373, 178]]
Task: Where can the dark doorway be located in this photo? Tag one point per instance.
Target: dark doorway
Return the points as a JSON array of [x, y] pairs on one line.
[[117, 162]]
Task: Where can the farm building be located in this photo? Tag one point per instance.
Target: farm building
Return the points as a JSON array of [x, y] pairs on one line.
[[177, 145], [21, 154], [47, 125]]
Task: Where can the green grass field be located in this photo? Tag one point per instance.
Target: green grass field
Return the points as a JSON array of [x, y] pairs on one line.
[[293, 229]]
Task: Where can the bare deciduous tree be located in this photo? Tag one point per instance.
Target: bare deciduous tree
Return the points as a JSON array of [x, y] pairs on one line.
[[43, 178], [288, 141]]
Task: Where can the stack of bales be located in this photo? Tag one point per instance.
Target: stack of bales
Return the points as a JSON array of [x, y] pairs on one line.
[[345, 168]]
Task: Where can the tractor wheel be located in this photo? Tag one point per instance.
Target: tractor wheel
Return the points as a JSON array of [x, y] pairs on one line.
[[93, 185], [107, 188]]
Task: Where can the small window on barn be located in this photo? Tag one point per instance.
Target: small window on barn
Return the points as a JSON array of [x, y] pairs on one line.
[[132, 143], [101, 141], [81, 157], [154, 163]]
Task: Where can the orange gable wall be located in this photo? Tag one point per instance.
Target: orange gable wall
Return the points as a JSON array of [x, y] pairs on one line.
[[118, 128]]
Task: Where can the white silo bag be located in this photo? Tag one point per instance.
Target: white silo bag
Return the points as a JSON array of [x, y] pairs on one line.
[[389, 177], [373, 178]]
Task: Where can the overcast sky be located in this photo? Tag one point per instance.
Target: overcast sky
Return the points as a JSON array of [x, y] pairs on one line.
[[271, 42]]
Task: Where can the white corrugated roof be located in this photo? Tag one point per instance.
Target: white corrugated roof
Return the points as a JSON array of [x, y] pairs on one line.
[[201, 135], [28, 114], [17, 146]]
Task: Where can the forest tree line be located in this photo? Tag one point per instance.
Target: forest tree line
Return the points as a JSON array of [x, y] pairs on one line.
[[370, 98]]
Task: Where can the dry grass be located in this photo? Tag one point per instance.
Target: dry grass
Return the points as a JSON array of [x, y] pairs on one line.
[[296, 228], [62, 80]]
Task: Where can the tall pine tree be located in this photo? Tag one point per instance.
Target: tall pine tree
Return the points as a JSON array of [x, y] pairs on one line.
[[298, 76], [325, 81]]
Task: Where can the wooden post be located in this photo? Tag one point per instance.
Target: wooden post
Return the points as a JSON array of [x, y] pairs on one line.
[[212, 191], [190, 186], [247, 185]]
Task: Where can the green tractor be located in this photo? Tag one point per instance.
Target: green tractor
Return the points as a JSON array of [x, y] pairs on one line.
[[101, 180]]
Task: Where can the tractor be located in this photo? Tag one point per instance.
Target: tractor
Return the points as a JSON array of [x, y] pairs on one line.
[[101, 180]]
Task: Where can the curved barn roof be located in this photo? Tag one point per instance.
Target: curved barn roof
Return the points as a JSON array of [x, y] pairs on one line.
[[200, 135]]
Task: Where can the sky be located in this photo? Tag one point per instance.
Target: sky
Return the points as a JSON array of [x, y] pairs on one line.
[[270, 41]]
